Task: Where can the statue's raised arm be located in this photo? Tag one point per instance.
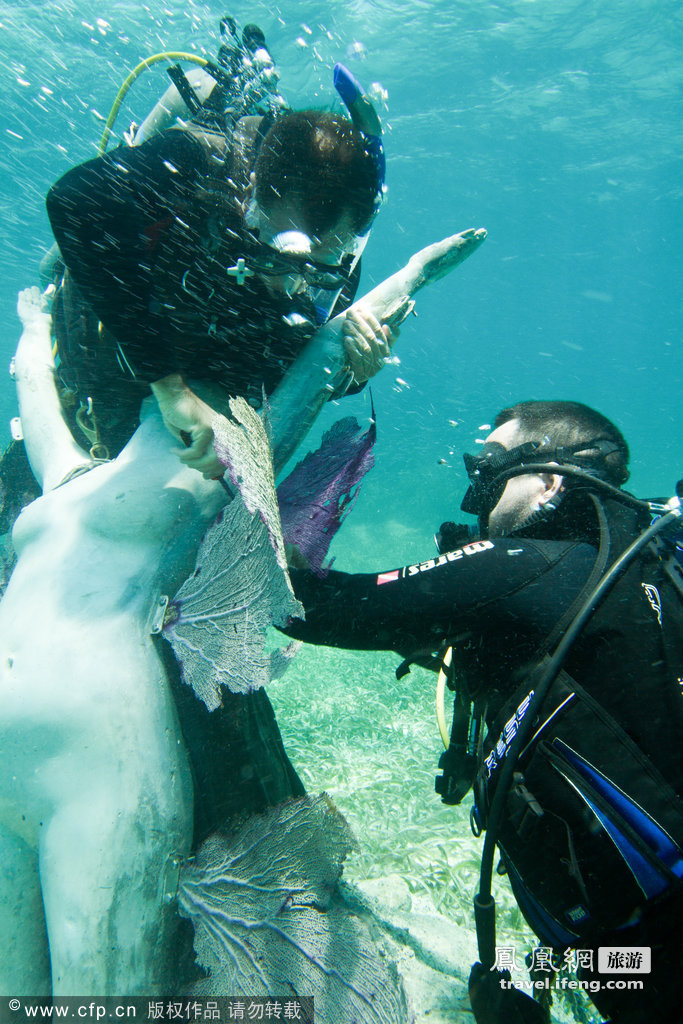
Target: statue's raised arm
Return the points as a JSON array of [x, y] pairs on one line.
[[321, 366]]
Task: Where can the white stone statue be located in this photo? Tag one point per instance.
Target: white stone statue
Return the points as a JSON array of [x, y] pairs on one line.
[[96, 799]]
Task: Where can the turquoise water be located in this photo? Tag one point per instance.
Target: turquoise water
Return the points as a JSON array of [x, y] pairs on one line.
[[556, 125]]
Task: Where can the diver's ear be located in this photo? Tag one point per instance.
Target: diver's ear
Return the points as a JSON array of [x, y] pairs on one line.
[[553, 485]]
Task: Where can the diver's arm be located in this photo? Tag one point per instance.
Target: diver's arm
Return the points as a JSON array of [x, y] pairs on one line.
[[189, 418], [419, 605], [107, 216]]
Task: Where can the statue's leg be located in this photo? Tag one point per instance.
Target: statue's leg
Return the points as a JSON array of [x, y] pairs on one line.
[[106, 858], [24, 957]]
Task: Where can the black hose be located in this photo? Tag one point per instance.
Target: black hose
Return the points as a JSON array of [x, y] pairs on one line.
[[581, 474]]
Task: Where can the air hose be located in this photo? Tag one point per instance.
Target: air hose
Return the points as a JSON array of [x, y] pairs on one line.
[[170, 55]]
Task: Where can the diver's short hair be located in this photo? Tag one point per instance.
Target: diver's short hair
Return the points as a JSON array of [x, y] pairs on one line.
[[319, 160], [570, 423]]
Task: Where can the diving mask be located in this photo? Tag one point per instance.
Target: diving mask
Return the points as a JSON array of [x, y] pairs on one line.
[[289, 253], [491, 468], [486, 470]]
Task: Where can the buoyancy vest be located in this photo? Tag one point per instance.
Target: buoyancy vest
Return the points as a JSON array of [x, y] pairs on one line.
[[593, 824], [228, 159]]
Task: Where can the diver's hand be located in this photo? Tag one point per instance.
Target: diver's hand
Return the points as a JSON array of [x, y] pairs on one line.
[[367, 344], [187, 416]]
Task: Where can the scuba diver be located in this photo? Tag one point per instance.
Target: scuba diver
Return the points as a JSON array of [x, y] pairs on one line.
[[211, 251], [559, 624]]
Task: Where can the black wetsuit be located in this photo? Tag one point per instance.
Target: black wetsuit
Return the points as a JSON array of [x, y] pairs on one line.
[[503, 604]]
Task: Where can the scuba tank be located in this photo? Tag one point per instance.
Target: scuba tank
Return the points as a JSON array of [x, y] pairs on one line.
[[243, 81]]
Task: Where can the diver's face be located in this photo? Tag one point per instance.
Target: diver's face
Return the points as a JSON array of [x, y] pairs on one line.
[[523, 495], [285, 216]]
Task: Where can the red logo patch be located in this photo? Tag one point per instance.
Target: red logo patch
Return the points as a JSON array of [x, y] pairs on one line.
[[388, 577]]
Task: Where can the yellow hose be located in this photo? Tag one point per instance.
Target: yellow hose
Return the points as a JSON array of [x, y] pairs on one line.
[[142, 66]]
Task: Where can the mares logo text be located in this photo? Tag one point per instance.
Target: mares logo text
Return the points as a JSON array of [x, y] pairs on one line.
[[450, 556]]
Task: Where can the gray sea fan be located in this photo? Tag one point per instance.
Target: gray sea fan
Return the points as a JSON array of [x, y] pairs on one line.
[[269, 920], [242, 444], [218, 619], [220, 615]]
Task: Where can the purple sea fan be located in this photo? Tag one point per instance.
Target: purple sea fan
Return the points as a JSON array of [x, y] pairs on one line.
[[322, 489]]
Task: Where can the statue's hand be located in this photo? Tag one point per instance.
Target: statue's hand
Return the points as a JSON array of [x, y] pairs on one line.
[[190, 420], [367, 343], [32, 305]]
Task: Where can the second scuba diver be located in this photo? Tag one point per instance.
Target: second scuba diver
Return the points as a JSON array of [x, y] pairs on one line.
[[565, 619]]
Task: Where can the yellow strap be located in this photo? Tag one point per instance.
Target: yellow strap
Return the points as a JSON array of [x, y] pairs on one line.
[[440, 691]]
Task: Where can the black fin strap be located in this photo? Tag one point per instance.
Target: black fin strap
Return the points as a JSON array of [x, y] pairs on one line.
[[187, 93]]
